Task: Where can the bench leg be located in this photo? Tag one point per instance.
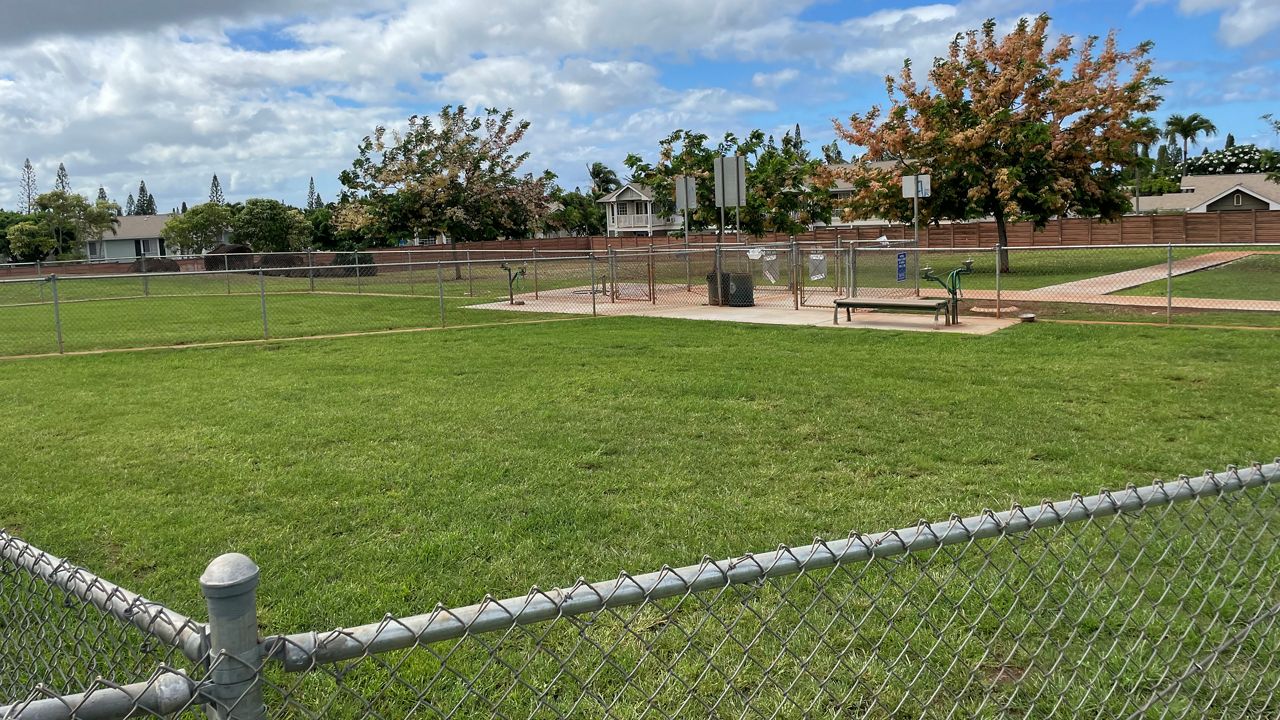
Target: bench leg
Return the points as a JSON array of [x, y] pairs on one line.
[[835, 316]]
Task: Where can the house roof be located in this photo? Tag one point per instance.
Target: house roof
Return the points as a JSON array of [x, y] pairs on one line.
[[138, 227], [1200, 190], [644, 193]]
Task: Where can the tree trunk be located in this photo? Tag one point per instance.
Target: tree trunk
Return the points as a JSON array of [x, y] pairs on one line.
[[1002, 240]]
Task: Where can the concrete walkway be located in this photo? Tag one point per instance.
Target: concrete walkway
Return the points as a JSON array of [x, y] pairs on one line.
[[1012, 297], [1115, 282]]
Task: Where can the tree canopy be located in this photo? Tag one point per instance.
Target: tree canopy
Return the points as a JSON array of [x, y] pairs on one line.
[[455, 174], [199, 228], [270, 226], [1016, 127]]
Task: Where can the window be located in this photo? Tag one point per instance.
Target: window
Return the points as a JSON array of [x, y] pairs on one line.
[[95, 250], [622, 208], [1238, 199]]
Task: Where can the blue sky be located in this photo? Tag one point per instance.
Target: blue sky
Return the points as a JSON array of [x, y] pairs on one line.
[[267, 93]]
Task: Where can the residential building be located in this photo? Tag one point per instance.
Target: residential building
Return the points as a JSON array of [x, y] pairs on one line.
[[1216, 193], [629, 211], [134, 237]]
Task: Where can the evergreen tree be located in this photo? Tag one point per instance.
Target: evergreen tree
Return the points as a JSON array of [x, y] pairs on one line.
[[1231, 140], [311, 195], [215, 192], [184, 207], [129, 205], [146, 202], [102, 194], [27, 191], [63, 182]]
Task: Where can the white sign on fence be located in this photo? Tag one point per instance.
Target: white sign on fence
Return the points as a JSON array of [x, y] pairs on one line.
[[686, 193], [731, 181], [916, 186]]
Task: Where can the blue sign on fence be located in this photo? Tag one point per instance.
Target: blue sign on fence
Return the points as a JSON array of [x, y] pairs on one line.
[[902, 267]]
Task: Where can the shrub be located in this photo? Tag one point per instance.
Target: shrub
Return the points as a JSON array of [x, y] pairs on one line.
[[284, 264], [154, 264], [341, 265], [229, 256]]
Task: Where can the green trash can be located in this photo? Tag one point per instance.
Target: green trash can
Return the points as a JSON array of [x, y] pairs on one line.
[[734, 289]]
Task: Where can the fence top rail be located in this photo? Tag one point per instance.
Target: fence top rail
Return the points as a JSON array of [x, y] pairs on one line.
[[170, 627], [302, 651]]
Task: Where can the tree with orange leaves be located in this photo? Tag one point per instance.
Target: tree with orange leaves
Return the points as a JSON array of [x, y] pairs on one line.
[[1016, 128]]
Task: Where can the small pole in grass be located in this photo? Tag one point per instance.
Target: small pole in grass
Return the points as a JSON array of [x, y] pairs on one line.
[[1168, 303], [471, 288], [146, 286], [311, 271], [535, 273], [226, 270], [409, 253], [57, 314], [440, 284], [262, 296], [997, 253], [359, 286]]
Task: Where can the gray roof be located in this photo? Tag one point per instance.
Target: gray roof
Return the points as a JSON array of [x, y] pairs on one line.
[[1199, 190], [644, 193], [138, 227]]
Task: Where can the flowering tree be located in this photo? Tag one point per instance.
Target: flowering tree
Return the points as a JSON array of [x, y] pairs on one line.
[[1232, 160], [456, 174], [1018, 128]]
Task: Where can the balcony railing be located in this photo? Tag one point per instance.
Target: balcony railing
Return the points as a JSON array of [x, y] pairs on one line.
[[623, 222]]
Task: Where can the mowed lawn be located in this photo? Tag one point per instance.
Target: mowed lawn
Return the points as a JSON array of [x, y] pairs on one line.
[[1256, 277], [373, 475]]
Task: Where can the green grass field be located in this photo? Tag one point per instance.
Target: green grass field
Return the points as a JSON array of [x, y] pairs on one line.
[[385, 474], [1256, 277]]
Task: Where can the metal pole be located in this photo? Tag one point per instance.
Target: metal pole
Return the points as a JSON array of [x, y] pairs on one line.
[[853, 271], [262, 297], [146, 285], [57, 311], [653, 285], [591, 258], [839, 265], [359, 285], [440, 285], [229, 586], [410, 269], [471, 289], [718, 271], [797, 277], [226, 267], [311, 271], [688, 271], [535, 273], [613, 275], [915, 224], [997, 282], [737, 224], [1168, 307]]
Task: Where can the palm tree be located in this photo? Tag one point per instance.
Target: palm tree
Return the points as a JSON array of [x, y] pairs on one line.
[[1188, 128], [603, 179]]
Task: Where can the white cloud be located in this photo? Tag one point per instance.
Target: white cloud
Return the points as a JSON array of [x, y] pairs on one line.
[[1242, 22], [774, 79]]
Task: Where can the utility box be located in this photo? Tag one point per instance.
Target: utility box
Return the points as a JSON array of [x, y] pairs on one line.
[[732, 289]]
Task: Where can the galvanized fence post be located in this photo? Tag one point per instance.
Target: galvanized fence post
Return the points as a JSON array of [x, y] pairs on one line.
[[229, 585], [359, 286], [613, 274], [797, 277], [311, 270], [717, 270], [535, 273], [440, 285], [653, 281], [839, 265], [146, 285], [471, 286], [1168, 293], [997, 253], [226, 270], [262, 297], [853, 270], [57, 311], [409, 253], [591, 261]]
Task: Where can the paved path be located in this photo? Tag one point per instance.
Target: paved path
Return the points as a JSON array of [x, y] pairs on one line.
[[1115, 282], [1014, 296]]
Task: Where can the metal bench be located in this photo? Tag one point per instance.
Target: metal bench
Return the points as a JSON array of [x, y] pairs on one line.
[[937, 305]]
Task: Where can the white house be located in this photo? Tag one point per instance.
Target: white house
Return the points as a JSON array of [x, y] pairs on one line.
[[629, 211], [135, 236]]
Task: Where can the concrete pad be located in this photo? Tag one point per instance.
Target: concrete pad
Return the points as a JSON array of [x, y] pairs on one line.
[[686, 306]]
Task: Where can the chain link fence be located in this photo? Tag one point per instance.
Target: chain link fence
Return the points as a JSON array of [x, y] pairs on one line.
[[1154, 601], [229, 298]]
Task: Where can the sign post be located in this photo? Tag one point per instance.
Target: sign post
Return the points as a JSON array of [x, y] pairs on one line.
[[915, 187], [686, 200]]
